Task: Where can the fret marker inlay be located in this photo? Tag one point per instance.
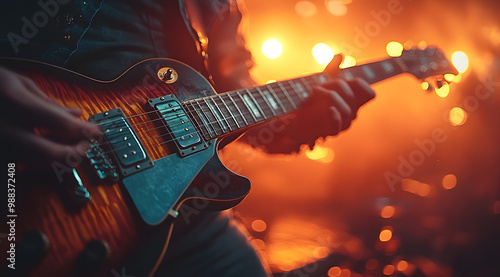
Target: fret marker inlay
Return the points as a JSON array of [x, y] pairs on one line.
[[387, 66], [270, 99], [252, 106], [368, 72]]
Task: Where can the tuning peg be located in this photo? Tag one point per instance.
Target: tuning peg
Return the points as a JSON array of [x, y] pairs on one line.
[[439, 83]]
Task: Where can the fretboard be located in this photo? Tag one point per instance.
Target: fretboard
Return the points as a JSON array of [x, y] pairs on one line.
[[221, 114]]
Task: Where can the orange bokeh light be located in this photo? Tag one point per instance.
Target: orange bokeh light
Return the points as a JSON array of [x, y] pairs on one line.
[[387, 212], [402, 265], [334, 271], [388, 269], [259, 225], [385, 235], [449, 181]]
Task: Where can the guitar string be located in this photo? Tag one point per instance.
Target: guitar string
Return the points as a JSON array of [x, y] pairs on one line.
[[207, 126], [207, 97], [203, 110], [169, 133]]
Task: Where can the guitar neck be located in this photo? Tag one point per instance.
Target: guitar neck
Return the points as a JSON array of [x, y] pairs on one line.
[[221, 114]]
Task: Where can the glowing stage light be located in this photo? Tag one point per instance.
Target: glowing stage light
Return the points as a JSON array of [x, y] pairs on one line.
[[402, 265], [385, 235], [460, 61], [449, 181], [457, 116], [388, 269], [449, 77], [443, 91], [319, 153], [336, 7], [272, 48], [394, 49], [348, 62], [305, 8], [425, 85], [322, 53], [387, 212], [334, 271]]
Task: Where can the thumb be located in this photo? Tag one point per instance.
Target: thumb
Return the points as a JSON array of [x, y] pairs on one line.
[[335, 63]]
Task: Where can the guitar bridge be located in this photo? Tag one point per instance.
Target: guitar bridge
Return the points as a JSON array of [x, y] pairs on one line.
[[121, 143]]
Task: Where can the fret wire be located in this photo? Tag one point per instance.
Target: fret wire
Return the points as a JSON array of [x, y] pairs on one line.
[[311, 85], [212, 111], [238, 108], [229, 110], [200, 125], [257, 103], [301, 98], [267, 101], [303, 82], [246, 105], [290, 99], [208, 121], [315, 79], [277, 97], [222, 114], [295, 88]]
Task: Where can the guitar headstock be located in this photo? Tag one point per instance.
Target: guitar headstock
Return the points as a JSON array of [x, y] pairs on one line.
[[428, 62]]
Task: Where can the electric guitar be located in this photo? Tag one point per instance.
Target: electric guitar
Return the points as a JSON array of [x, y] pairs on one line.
[[161, 122]]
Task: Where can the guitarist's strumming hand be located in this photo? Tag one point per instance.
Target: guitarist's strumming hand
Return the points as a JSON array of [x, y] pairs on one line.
[[328, 111], [35, 129]]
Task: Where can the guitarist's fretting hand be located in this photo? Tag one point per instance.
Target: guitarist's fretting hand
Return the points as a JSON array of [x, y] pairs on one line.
[[39, 129], [328, 111]]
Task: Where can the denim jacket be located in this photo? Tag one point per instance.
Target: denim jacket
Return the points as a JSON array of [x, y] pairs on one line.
[[102, 38]]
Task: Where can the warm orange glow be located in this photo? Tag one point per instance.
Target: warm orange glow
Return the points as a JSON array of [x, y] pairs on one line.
[[270, 81], [402, 265], [348, 62], [449, 181], [424, 190], [305, 8], [334, 271], [496, 207], [416, 187], [443, 91], [387, 212], [322, 53], [293, 243], [345, 273], [385, 235], [460, 61], [388, 269], [422, 44], [322, 154], [321, 252], [272, 48], [457, 116], [394, 49], [260, 244], [371, 264], [336, 7], [259, 225]]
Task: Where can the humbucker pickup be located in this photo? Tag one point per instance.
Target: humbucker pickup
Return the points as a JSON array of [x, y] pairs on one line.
[[121, 141], [179, 125]]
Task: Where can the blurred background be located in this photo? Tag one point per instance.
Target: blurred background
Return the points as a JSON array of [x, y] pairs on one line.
[[412, 187]]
